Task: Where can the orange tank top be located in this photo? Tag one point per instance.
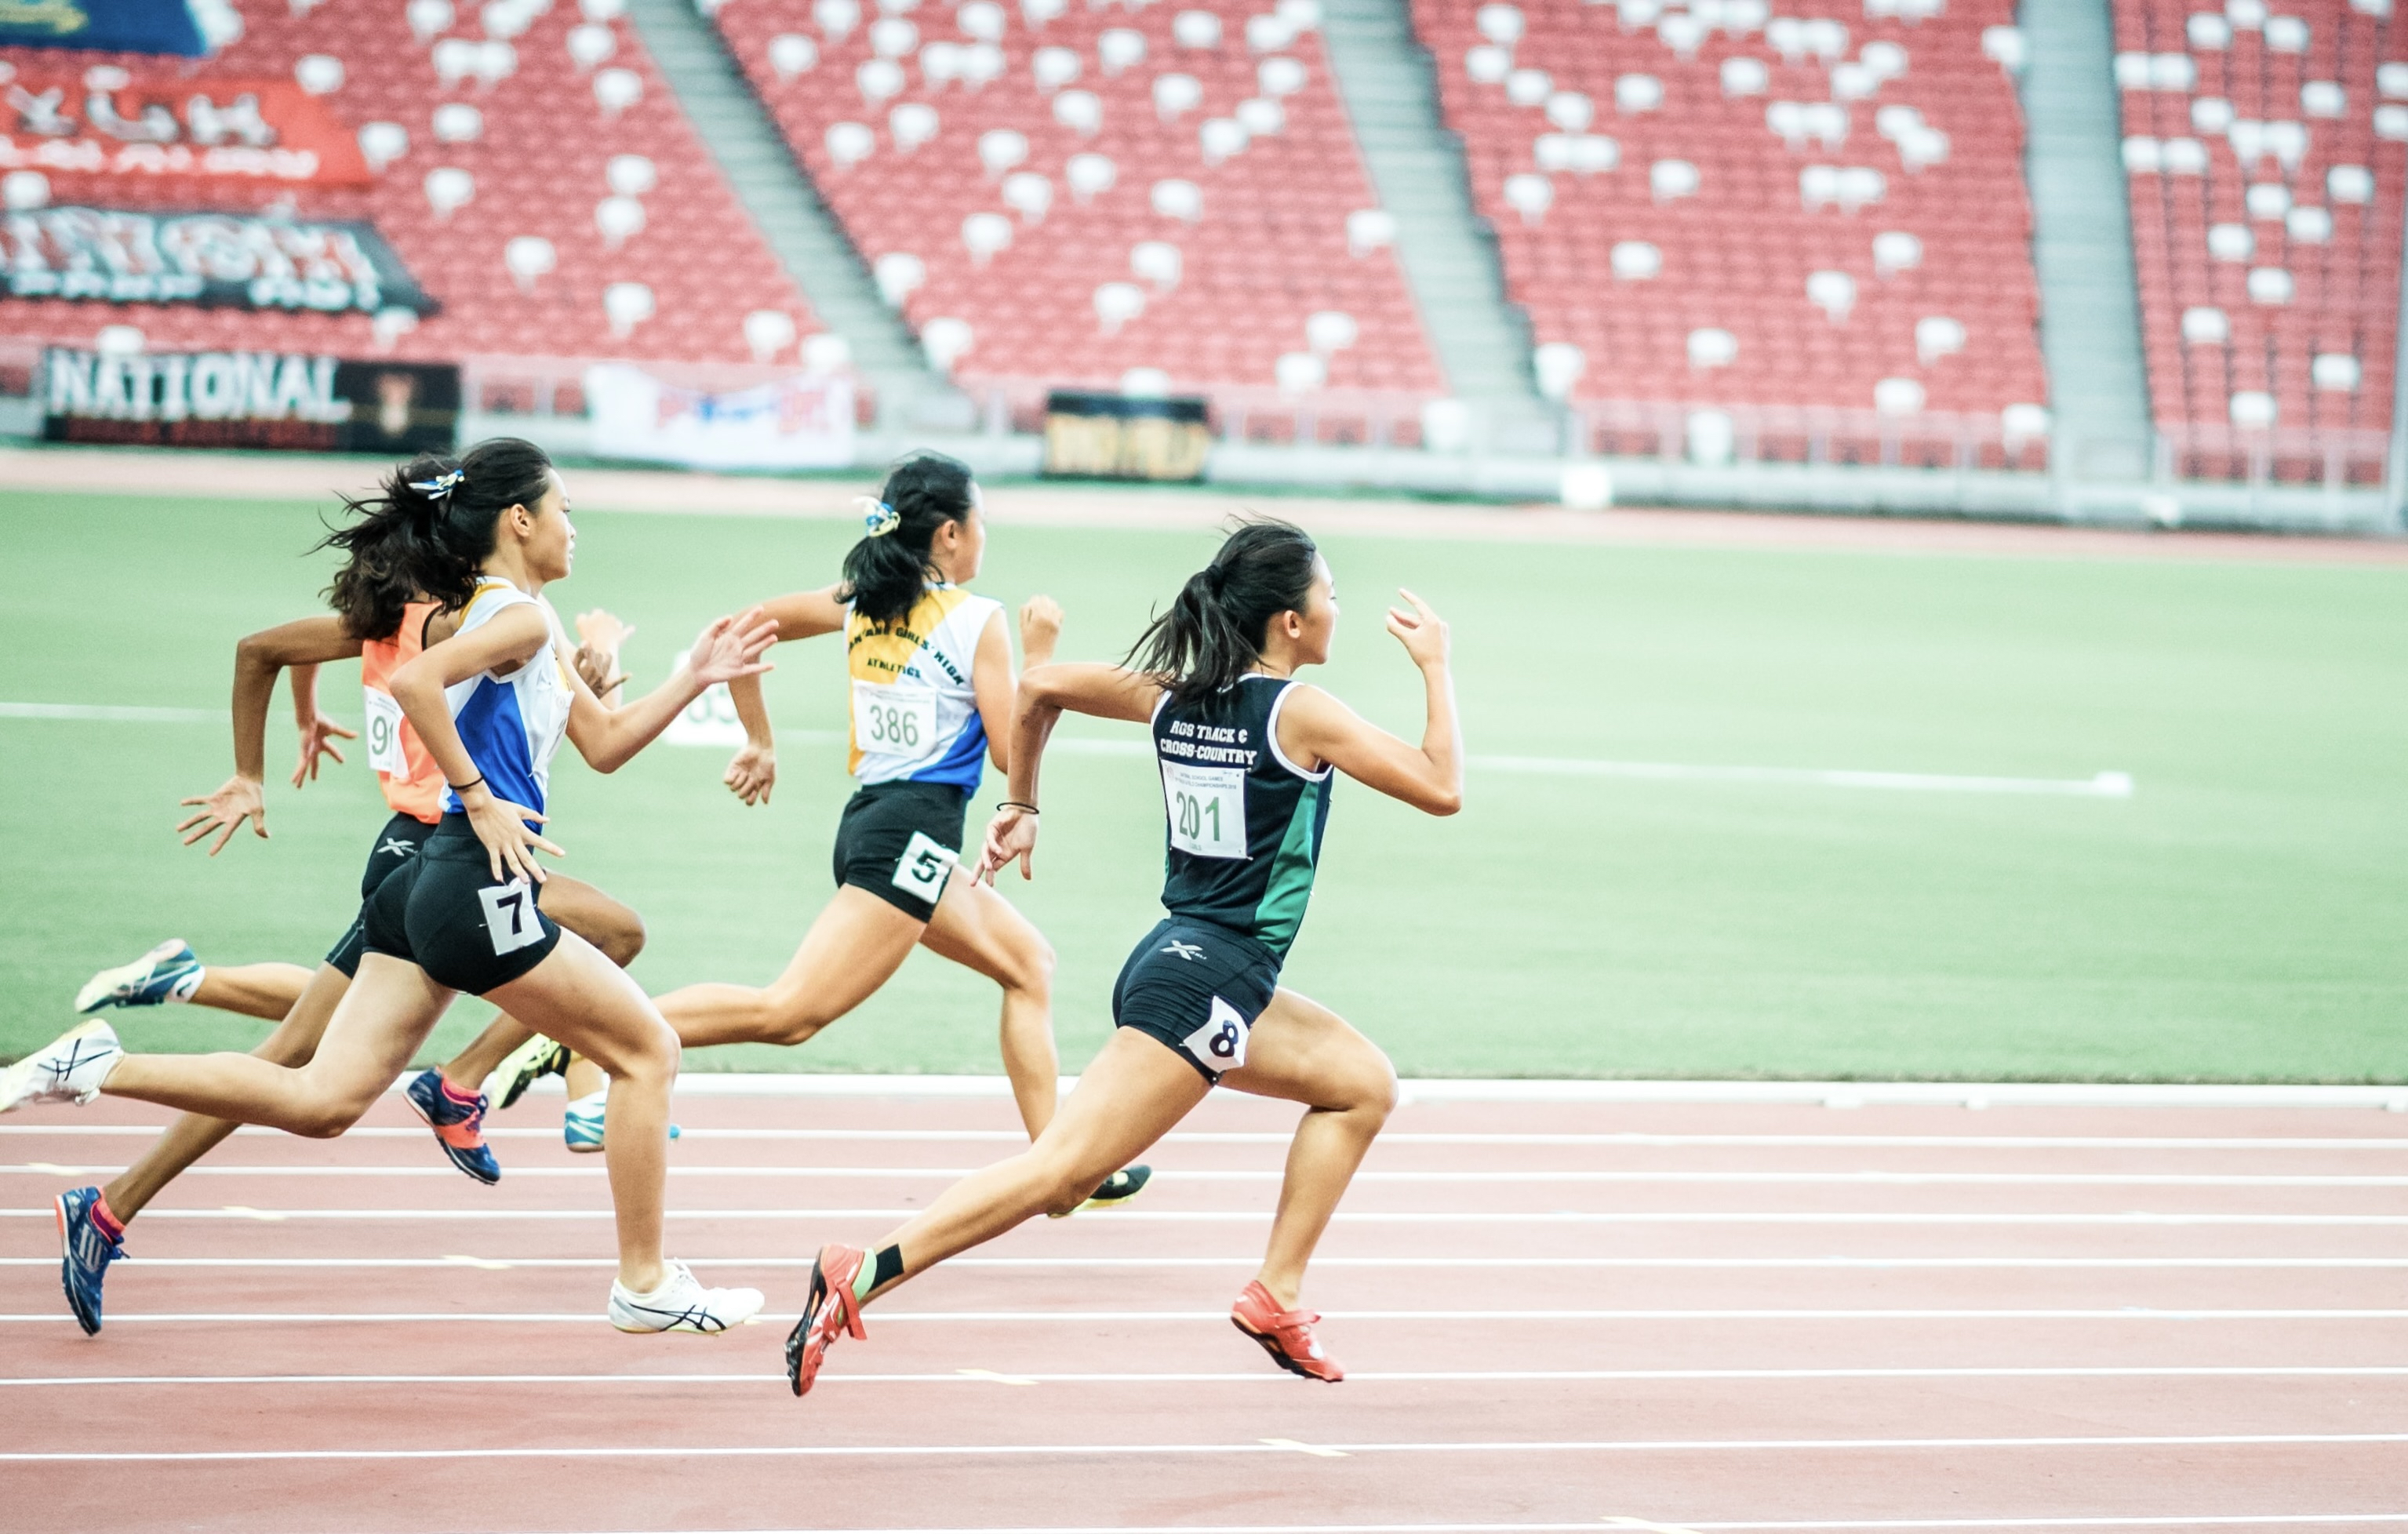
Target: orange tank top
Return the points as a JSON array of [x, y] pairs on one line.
[[411, 784]]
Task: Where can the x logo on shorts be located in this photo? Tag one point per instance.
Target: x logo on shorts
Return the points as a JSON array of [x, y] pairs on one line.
[[1190, 951], [398, 848]]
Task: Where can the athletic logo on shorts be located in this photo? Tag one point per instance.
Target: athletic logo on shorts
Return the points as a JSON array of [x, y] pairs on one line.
[[1219, 1044], [923, 868], [1190, 951], [398, 848]]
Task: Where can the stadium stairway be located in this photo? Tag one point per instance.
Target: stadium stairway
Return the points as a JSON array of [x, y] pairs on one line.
[[2082, 245], [805, 237], [1448, 253]]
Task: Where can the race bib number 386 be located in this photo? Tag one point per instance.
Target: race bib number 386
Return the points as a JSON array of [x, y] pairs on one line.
[[890, 719], [1207, 807]]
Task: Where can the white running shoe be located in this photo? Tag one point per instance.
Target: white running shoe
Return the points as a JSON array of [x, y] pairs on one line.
[[168, 972], [683, 1304], [69, 1068]]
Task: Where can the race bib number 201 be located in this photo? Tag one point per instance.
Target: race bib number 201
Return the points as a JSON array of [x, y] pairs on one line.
[[1207, 807]]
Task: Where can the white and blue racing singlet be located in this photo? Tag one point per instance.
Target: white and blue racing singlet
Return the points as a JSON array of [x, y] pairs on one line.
[[511, 724], [915, 718]]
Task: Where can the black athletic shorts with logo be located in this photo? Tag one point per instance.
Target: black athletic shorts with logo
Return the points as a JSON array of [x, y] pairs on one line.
[[1197, 987], [396, 847], [900, 842], [449, 915]]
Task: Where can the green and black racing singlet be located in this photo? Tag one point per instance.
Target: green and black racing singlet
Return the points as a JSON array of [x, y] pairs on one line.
[[1245, 826]]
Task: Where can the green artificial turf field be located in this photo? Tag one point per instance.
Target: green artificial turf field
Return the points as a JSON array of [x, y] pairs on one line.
[[2238, 917]]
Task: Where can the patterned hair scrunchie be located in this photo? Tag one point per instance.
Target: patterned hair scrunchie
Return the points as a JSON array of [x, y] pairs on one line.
[[877, 516], [440, 486]]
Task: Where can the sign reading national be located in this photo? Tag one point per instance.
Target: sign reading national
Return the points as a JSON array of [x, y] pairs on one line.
[[118, 256], [250, 399]]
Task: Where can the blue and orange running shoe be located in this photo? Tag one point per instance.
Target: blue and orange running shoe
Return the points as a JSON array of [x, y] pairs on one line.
[[167, 973], [86, 1252], [830, 1310], [460, 1126]]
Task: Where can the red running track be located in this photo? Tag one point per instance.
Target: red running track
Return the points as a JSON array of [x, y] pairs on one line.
[[1555, 1315]]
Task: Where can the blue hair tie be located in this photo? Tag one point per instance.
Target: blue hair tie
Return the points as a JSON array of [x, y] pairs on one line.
[[877, 516], [440, 486]]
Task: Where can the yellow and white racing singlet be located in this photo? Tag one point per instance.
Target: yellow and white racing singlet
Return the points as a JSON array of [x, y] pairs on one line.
[[915, 718]]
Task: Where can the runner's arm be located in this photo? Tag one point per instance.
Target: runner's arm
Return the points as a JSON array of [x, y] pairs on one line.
[[1105, 692], [799, 616], [1315, 727], [515, 637], [991, 679], [305, 642], [728, 649]]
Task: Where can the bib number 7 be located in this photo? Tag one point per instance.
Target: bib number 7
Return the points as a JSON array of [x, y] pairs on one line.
[[510, 918]]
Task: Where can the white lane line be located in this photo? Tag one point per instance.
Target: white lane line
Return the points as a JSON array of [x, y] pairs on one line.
[[2103, 785], [1168, 1216], [1254, 1260], [1273, 1174], [2220, 1520], [1391, 1137], [111, 713], [2135, 1313], [1262, 1377], [986, 1451]]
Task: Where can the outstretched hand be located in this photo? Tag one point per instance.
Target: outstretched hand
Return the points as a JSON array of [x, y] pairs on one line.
[[753, 773], [237, 799], [1421, 631], [318, 737], [728, 648], [1013, 834], [509, 844]]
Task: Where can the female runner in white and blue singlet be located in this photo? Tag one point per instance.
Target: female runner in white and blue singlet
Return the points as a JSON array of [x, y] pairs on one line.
[[484, 534], [1246, 756]]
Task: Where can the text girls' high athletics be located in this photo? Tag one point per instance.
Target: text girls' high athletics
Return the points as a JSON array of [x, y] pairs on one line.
[[380, 618], [932, 686], [490, 704], [1245, 755]]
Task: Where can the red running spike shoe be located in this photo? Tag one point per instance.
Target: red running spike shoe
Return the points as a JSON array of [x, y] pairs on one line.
[[831, 1309], [1286, 1335]]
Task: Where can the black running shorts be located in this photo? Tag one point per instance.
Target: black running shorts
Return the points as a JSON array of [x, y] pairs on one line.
[[446, 914], [900, 842], [396, 847], [1199, 988]]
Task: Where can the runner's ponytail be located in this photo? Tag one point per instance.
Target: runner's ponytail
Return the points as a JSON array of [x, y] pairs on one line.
[[1213, 633], [424, 535], [885, 572]]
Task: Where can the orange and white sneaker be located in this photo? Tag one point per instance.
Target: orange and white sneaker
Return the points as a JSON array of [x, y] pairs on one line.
[[830, 1310], [1286, 1335]]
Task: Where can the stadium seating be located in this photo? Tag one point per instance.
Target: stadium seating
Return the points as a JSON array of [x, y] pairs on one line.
[[2264, 149], [1159, 196], [1806, 214], [557, 205]]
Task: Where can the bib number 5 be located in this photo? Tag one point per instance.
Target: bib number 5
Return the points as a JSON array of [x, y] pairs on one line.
[[510, 919], [924, 866]]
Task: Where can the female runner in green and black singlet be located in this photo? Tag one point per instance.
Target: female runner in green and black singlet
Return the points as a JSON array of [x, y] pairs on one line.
[[1247, 757]]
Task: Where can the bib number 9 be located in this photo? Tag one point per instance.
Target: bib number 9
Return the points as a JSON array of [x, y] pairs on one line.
[[893, 719], [510, 919], [385, 754], [1207, 807]]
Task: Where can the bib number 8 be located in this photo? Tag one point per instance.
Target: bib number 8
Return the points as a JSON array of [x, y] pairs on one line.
[[510, 918], [1219, 1044]]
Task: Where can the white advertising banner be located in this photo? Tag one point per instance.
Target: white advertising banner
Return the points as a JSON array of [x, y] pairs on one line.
[[803, 421]]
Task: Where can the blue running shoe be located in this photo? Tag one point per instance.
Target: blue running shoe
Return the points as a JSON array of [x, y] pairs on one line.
[[461, 1127], [581, 1125], [148, 980], [86, 1256]]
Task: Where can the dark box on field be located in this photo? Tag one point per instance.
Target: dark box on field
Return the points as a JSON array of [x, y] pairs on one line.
[[251, 399], [1115, 436]]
